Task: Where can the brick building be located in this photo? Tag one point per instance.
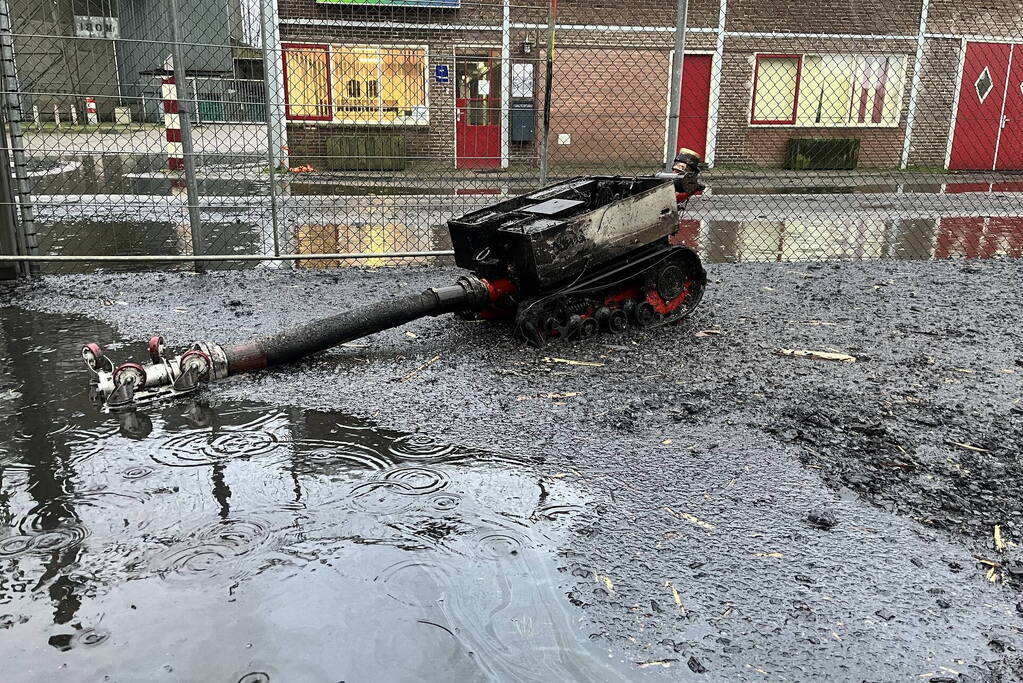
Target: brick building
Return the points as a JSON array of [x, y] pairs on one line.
[[930, 83]]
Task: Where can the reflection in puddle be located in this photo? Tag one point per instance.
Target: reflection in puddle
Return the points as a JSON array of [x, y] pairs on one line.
[[243, 542], [809, 240], [816, 239], [366, 238], [813, 238], [139, 231], [979, 238], [127, 205]]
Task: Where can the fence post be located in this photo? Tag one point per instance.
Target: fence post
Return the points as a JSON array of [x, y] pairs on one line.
[[545, 145], [27, 239], [185, 118], [275, 129], [506, 82], [675, 96], [273, 78], [9, 234]]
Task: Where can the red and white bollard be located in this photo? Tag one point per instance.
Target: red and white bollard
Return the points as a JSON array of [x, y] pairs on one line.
[[91, 117], [175, 156], [172, 123]]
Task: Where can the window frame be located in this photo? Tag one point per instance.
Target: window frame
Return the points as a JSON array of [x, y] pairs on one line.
[[332, 118], [288, 116], [795, 99], [793, 122]]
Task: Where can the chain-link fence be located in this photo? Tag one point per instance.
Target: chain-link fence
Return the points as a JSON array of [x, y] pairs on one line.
[[354, 129]]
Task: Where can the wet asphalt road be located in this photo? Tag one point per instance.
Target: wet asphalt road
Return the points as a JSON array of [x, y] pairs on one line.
[[716, 463]]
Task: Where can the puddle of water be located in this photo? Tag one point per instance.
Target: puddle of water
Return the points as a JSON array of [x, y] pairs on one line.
[[817, 239], [299, 188], [143, 237], [717, 241], [136, 174], [347, 189], [880, 220], [795, 188], [237, 541], [366, 238], [979, 238]]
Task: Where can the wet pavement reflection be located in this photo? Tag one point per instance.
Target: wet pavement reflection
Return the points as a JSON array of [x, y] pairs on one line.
[[144, 235], [129, 205], [244, 542], [818, 239]]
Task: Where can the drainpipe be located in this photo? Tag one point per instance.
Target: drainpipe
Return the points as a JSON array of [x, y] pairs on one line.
[[717, 66], [914, 89], [545, 145]]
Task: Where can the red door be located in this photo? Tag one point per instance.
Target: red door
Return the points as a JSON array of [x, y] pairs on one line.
[[478, 111], [979, 116], [695, 104], [1010, 143]]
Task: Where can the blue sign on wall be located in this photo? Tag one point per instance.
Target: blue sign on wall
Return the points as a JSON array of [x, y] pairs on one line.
[[441, 73]]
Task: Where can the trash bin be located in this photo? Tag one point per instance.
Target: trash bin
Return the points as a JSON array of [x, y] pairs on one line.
[[211, 111]]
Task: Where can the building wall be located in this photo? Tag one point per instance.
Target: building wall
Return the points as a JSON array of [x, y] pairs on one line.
[[934, 109], [872, 17], [307, 140], [611, 87], [56, 68], [742, 143], [611, 103], [208, 29], [578, 60], [986, 18], [701, 13]]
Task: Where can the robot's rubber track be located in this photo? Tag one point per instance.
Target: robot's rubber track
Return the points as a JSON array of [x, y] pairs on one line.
[[659, 286]]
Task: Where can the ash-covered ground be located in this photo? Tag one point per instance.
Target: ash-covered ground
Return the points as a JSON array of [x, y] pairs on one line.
[[760, 516]]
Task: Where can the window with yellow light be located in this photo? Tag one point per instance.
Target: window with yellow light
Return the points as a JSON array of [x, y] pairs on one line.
[[358, 84]]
